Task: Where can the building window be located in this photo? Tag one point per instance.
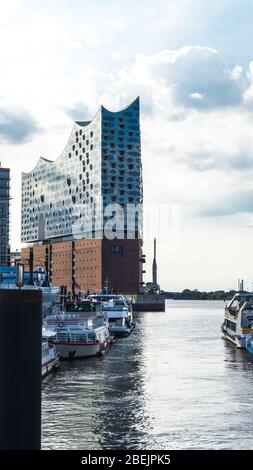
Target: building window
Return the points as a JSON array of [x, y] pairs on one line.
[[116, 250]]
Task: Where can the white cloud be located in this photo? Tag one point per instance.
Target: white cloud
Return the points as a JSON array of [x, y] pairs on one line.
[[170, 82], [197, 96]]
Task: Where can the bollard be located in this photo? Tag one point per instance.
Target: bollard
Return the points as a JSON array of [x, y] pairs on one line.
[[20, 369]]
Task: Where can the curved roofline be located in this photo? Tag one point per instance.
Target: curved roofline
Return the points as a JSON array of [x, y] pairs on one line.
[[45, 160], [122, 109], [83, 123], [80, 124]]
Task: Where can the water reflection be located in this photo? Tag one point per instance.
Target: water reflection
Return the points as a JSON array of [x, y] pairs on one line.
[[121, 417]]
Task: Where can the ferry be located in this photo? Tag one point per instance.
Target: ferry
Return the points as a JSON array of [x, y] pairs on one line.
[[238, 322], [50, 360], [78, 334], [118, 310]]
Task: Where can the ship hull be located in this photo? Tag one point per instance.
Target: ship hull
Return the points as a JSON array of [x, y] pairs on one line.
[[74, 350], [239, 342], [121, 330], [50, 366]]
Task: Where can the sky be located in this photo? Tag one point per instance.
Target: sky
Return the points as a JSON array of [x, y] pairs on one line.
[[191, 63]]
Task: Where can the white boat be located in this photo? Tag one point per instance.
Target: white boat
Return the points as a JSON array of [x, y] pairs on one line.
[[238, 322], [50, 360], [118, 310], [77, 336]]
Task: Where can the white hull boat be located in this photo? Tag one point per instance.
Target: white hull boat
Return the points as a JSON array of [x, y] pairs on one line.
[[50, 359], [118, 311], [238, 321], [72, 350], [79, 335]]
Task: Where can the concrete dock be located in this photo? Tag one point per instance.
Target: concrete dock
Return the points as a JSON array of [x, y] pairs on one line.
[[148, 302]]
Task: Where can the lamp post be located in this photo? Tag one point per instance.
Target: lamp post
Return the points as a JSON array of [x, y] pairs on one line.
[[19, 274]]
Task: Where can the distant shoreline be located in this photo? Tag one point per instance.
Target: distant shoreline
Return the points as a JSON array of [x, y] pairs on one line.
[[188, 294]]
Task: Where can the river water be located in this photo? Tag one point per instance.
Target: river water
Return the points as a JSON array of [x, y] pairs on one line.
[[174, 383]]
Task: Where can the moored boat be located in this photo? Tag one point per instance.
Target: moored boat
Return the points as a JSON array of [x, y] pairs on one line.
[[238, 321], [50, 360], [79, 334], [118, 310]]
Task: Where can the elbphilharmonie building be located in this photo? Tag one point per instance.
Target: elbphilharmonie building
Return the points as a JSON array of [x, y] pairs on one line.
[[68, 205]]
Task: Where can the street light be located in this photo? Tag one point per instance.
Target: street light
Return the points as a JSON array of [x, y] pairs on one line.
[[19, 274], [41, 276]]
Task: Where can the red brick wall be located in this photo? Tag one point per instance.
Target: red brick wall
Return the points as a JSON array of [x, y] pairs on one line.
[[25, 253], [62, 264], [123, 269], [88, 265], [39, 257], [94, 261]]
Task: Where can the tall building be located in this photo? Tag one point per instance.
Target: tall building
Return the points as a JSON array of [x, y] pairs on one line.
[[4, 216], [69, 206]]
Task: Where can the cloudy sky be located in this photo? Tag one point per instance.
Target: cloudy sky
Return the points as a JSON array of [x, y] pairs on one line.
[[191, 62]]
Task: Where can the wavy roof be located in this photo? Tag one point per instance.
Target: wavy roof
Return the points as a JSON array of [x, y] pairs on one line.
[[43, 160]]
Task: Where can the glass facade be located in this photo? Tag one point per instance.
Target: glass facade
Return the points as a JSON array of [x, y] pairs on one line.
[[4, 216], [100, 165]]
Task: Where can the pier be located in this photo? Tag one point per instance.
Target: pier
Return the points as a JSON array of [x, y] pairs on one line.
[[148, 302]]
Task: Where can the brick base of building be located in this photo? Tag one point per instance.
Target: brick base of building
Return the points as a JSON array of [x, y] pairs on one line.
[[85, 265]]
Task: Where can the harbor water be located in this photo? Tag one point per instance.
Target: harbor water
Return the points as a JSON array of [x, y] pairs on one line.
[[174, 383]]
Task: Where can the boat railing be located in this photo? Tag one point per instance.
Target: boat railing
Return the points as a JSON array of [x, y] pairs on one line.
[[76, 339]]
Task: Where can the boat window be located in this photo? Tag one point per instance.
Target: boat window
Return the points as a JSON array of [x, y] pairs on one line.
[[82, 307], [231, 325], [91, 335]]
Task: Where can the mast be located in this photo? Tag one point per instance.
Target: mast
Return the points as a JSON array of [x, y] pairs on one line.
[[154, 266]]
